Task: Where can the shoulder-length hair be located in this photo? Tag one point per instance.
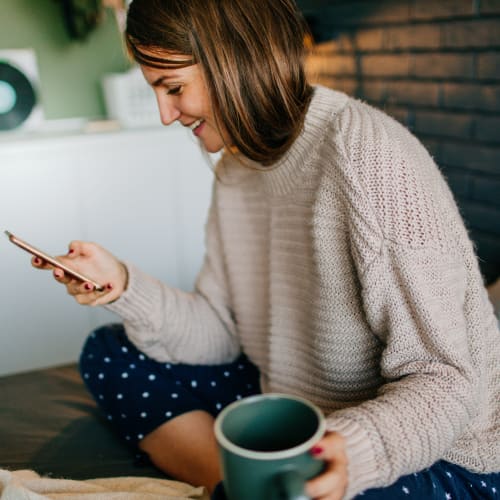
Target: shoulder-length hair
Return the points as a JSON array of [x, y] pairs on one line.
[[251, 53]]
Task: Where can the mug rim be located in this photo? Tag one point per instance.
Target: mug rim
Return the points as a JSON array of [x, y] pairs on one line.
[[225, 443]]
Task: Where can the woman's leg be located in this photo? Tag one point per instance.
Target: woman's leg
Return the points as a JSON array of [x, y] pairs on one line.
[[443, 481], [164, 409]]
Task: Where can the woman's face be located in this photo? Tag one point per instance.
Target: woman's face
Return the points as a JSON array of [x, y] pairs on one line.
[[182, 95]]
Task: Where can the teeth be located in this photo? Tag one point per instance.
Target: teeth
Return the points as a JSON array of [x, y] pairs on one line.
[[197, 123]]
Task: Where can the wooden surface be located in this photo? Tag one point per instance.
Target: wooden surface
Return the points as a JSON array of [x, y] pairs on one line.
[[50, 423]]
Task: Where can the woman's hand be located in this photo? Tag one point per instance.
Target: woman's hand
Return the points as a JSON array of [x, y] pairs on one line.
[[95, 262], [331, 484]]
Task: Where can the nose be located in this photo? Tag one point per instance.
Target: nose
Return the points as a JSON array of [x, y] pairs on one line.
[[168, 111]]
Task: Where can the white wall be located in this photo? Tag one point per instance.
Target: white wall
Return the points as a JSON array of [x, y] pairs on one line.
[[141, 194]]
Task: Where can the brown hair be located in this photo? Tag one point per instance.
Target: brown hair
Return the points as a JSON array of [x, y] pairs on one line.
[[251, 53]]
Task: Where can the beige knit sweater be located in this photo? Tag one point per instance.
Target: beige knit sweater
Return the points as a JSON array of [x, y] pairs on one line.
[[347, 276]]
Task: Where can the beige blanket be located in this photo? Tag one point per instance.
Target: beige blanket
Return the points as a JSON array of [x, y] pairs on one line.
[[28, 485]]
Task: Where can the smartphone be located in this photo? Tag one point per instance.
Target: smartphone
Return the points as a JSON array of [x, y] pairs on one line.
[[51, 260]]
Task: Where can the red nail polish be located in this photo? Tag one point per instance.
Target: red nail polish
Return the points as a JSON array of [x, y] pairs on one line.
[[36, 260], [88, 286], [109, 286], [316, 450], [71, 250], [58, 275]]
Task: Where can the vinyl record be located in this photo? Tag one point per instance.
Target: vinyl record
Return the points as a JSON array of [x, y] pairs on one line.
[[17, 97]]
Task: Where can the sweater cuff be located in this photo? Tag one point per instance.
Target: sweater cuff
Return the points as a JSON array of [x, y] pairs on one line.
[[362, 466], [138, 302]]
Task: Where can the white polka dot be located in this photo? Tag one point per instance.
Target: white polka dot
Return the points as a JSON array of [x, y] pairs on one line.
[[194, 383], [142, 357], [140, 436], [213, 383], [406, 491], [101, 375], [101, 396], [145, 394], [107, 360], [218, 406], [90, 356], [110, 417], [119, 396], [174, 395], [168, 414], [85, 375], [124, 375], [240, 367], [168, 366], [127, 438], [152, 377], [238, 396], [124, 349], [132, 366], [144, 414], [226, 374], [123, 415], [448, 473]]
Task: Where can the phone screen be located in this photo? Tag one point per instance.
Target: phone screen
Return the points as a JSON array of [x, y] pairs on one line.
[[51, 260]]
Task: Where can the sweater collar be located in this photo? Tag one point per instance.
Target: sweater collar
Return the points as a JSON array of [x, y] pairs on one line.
[[290, 169]]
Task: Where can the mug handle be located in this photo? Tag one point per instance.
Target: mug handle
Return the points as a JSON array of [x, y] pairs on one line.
[[290, 486]]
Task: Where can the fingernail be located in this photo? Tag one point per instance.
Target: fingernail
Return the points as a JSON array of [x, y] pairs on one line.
[[109, 286], [316, 450], [88, 286], [37, 260], [71, 250], [58, 275]]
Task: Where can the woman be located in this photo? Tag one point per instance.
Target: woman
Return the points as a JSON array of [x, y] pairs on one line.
[[336, 263]]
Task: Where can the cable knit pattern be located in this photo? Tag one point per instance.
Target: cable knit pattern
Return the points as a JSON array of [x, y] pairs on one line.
[[347, 276]]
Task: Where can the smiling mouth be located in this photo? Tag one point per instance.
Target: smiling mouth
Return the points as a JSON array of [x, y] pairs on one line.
[[196, 124]]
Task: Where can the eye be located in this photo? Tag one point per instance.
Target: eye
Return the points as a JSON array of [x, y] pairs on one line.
[[175, 90]]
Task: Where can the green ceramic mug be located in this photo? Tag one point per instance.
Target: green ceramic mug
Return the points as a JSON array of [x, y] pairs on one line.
[[264, 443]]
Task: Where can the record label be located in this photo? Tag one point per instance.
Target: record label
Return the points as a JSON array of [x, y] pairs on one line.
[[17, 97]]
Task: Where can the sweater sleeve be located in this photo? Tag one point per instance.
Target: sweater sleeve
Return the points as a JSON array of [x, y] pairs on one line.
[[169, 324], [414, 303], [414, 276]]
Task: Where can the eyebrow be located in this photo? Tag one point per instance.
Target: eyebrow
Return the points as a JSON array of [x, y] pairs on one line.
[[161, 80]]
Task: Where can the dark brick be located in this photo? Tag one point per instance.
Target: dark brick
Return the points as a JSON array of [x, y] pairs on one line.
[[471, 96], [486, 189], [347, 85], [443, 124], [373, 91], [419, 36], [335, 64], [369, 39], [442, 66], [488, 65], [482, 217], [470, 156], [487, 129], [341, 43], [471, 34], [433, 147], [397, 65], [460, 184], [431, 9], [359, 13], [412, 93], [490, 6]]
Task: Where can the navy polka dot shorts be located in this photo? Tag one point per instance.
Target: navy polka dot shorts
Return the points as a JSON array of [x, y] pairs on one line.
[[138, 394]]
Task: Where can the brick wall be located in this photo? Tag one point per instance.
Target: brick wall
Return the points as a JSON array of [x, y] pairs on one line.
[[434, 66]]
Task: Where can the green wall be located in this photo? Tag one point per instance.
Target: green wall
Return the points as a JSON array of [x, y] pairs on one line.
[[70, 71]]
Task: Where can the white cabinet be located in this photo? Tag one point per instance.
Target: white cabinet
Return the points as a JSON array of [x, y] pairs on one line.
[[143, 194]]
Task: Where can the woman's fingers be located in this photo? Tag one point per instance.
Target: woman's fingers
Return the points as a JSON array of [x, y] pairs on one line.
[[332, 482]]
